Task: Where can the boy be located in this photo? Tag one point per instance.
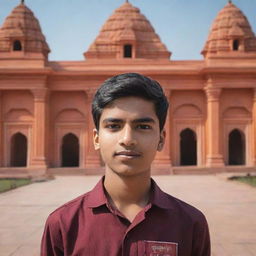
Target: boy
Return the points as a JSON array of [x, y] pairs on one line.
[[127, 213]]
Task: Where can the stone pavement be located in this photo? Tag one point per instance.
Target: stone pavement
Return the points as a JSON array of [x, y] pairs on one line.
[[230, 208]]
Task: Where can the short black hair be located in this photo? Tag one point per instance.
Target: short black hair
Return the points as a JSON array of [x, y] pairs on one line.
[[127, 85]]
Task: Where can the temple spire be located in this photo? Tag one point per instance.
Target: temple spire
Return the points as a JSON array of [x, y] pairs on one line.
[[22, 1], [230, 1]]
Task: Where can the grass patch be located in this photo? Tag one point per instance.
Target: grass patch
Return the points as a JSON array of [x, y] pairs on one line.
[[249, 179], [8, 184]]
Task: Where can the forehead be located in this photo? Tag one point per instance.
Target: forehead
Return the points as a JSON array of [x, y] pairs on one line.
[[129, 107]]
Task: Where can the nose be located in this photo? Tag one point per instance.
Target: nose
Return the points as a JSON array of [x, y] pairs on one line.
[[127, 138]]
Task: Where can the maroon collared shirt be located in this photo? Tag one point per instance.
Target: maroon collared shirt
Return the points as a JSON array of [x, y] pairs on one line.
[[89, 226]]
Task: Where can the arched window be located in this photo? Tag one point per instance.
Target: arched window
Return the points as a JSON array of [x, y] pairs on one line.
[[17, 45], [236, 148], [70, 151], [127, 51], [236, 45], [18, 150], [188, 147]]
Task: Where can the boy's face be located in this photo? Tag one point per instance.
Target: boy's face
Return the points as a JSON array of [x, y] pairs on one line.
[[129, 136]]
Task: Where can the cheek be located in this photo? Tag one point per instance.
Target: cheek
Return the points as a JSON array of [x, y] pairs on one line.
[[106, 139], [150, 144], [106, 152], [107, 144]]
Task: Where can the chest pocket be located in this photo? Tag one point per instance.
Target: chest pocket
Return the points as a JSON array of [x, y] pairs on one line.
[[157, 248]]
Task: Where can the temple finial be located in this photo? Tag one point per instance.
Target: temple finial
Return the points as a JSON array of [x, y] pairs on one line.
[[127, 1], [22, 1], [230, 1]]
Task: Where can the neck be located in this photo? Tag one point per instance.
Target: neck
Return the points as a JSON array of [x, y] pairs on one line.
[[127, 190]]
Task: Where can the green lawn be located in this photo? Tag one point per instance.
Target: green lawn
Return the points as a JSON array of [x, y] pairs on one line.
[[251, 180], [7, 184]]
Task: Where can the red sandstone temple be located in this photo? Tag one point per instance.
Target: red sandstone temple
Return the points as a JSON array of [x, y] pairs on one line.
[[45, 120]]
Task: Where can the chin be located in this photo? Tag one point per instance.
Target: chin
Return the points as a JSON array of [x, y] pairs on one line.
[[130, 171]]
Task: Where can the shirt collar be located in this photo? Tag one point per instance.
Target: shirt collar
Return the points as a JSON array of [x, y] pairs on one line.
[[97, 196], [160, 198]]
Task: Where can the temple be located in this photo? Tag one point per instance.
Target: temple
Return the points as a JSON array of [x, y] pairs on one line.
[[45, 120]]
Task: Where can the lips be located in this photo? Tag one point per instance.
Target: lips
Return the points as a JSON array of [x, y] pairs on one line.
[[128, 154]]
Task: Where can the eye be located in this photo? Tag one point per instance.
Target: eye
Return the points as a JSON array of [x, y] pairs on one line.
[[144, 126], [112, 126]]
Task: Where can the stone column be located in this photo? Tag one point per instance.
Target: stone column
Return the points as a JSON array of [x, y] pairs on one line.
[[39, 129], [254, 126], [92, 157], [214, 157], [1, 131], [162, 163]]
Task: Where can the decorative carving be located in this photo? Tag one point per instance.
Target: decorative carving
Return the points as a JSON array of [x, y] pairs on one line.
[[213, 94], [40, 94]]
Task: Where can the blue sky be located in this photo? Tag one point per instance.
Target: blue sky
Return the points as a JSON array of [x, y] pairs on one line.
[[70, 26]]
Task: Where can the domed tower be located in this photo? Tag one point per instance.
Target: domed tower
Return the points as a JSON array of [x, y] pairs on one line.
[[127, 34], [21, 36], [230, 35]]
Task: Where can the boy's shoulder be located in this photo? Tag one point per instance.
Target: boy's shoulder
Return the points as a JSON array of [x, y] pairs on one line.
[[80, 204], [184, 209], [176, 206], [70, 207]]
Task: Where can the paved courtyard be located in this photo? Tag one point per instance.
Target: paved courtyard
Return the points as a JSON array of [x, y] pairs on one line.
[[230, 208]]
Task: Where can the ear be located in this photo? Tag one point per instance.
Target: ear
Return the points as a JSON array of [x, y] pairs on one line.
[[161, 140], [96, 139]]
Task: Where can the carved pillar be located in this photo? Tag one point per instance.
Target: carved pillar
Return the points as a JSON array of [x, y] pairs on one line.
[[92, 158], [162, 163], [254, 126], [1, 131], [39, 129], [214, 157]]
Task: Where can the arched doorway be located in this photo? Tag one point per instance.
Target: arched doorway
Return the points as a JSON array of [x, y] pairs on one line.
[[70, 151], [236, 148], [188, 148], [19, 148]]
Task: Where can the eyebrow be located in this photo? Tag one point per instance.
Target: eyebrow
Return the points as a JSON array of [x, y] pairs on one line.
[[144, 120], [112, 120], [138, 120]]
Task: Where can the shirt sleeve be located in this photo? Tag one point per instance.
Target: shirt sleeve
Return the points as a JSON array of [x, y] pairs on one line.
[[52, 244], [201, 238]]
